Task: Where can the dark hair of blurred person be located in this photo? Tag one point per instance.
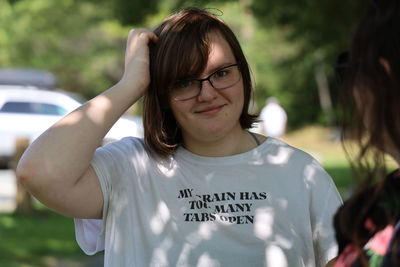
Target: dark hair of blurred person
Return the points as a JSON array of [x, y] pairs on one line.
[[371, 121]]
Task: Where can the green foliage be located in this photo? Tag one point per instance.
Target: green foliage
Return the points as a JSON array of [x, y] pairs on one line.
[[131, 12], [12, 1], [319, 23], [321, 30], [72, 39], [83, 42]]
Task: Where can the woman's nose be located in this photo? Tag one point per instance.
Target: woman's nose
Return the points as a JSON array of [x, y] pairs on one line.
[[207, 92]]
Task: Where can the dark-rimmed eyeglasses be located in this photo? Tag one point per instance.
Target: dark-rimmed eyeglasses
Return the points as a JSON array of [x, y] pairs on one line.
[[221, 79]]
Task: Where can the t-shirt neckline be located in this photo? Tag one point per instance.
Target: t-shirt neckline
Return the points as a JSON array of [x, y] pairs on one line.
[[184, 154]]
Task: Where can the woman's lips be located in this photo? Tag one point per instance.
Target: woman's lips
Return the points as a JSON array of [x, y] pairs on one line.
[[210, 110]]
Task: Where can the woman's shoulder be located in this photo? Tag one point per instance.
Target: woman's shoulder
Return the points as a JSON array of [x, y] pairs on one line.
[[125, 146], [128, 151], [276, 144], [125, 142]]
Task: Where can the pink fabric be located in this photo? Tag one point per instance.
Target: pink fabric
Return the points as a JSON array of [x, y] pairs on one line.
[[380, 242]]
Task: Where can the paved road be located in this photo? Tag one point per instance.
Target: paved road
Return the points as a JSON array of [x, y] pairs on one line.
[[8, 190]]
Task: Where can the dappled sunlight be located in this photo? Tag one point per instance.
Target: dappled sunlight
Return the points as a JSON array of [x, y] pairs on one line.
[[160, 218], [194, 240], [264, 229], [263, 223], [92, 113], [73, 118], [160, 254], [283, 241], [167, 168], [258, 160], [185, 253], [101, 102], [274, 256], [117, 235], [282, 203], [281, 157], [206, 260], [309, 174], [7, 222], [206, 230], [209, 177]]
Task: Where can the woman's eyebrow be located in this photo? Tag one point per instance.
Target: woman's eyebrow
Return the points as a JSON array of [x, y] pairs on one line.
[[210, 72], [219, 66]]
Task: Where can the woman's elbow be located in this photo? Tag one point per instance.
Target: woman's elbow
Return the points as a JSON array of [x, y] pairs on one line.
[[29, 172], [24, 172]]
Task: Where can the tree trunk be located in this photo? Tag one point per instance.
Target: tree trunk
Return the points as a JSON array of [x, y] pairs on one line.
[[324, 95], [23, 198]]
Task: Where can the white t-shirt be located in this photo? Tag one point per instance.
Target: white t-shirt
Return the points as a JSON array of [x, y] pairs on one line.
[[270, 206]]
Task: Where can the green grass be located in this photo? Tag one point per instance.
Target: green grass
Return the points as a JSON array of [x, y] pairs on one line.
[[36, 240], [341, 175]]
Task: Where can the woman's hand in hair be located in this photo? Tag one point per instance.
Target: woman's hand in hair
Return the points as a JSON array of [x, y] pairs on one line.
[[137, 60]]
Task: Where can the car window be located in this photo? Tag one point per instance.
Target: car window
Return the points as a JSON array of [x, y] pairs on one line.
[[33, 108]]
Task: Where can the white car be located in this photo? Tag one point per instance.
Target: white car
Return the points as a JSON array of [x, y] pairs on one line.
[[26, 112]]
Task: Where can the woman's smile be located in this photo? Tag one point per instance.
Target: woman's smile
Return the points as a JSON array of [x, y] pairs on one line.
[[210, 110]]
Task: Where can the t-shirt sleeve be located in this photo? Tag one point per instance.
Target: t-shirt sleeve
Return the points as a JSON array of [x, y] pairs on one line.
[[324, 202], [90, 233]]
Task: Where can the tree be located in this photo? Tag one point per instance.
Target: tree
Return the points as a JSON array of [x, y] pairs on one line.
[[24, 203], [290, 44], [78, 41], [321, 30]]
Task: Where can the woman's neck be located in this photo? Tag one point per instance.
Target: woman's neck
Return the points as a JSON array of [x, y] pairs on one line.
[[235, 142]]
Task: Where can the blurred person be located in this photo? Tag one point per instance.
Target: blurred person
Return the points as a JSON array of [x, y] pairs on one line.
[[200, 189], [273, 118], [368, 225]]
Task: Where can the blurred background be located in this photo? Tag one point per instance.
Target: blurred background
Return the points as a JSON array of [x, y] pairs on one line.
[[53, 53]]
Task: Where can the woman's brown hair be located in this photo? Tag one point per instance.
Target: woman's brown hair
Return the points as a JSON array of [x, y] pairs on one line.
[[372, 121], [182, 51]]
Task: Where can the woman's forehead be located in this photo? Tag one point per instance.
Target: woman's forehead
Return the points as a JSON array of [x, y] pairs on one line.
[[207, 54], [220, 52]]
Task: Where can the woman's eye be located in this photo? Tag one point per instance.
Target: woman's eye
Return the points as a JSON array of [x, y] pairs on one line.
[[183, 84], [221, 73]]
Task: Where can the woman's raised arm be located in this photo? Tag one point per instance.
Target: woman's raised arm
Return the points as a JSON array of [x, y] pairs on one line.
[[56, 166]]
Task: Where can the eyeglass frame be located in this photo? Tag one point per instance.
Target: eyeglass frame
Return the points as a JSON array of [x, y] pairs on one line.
[[207, 79]]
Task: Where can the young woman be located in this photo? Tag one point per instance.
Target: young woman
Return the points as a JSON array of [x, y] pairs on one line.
[[200, 189], [368, 224]]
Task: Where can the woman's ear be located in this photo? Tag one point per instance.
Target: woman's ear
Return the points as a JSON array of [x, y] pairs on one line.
[[385, 64]]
